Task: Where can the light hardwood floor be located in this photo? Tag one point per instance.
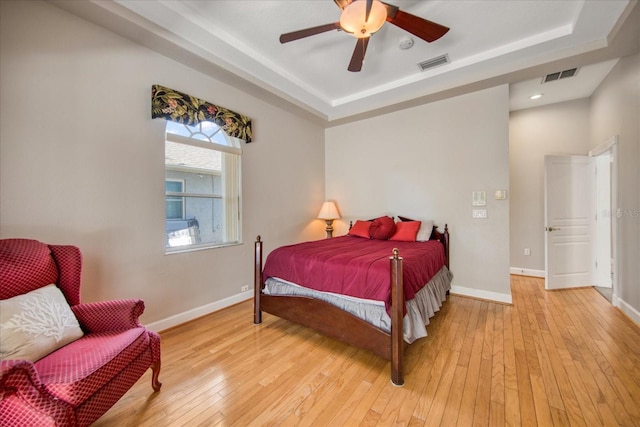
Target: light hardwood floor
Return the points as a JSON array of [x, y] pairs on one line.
[[552, 358]]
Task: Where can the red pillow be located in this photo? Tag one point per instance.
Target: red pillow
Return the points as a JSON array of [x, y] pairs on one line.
[[406, 231], [360, 229], [382, 228]]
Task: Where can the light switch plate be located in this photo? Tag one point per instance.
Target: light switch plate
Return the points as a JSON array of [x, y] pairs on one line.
[[480, 213], [479, 198], [501, 194]]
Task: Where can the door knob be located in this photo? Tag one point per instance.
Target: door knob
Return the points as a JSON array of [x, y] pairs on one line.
[[551, 229]]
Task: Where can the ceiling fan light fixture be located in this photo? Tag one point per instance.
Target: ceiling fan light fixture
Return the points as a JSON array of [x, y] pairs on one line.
[[353, 16]]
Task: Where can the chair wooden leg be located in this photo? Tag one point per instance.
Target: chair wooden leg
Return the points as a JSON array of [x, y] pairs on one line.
[[155, 368]]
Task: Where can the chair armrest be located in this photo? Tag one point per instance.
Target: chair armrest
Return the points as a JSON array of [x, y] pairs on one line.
[[18, 374], [21, 377], [22, 392], [109, 315]]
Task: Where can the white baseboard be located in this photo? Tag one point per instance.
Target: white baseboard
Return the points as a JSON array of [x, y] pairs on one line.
[[527, 272], [627, 309], [481, 294], [194, 313]]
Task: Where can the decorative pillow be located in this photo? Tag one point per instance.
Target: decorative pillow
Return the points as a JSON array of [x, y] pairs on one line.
[[35, 324], [426, 228], [360, 229], [406, 231], [382, 228]]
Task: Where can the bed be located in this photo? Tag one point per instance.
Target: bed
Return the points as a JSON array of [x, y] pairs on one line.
[[315, 284]]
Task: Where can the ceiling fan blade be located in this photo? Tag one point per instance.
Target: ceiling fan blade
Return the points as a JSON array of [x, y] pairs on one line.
[[426, 30], [366, 16], [342, 3], [295, 35], [358, 54]]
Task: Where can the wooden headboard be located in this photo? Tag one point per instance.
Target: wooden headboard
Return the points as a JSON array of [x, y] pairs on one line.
[[442, 238]]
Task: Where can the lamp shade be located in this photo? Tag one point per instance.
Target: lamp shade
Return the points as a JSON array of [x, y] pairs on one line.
[[328, 211], [353, 17]]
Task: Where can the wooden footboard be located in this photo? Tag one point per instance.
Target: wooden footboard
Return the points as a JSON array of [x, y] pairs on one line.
[[331, 321], [336, 323]]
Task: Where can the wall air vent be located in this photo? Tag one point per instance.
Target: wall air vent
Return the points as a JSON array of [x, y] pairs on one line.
[[433, 62], [559, 75]]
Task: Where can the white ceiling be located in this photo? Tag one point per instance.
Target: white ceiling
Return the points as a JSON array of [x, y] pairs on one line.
[[488, 41]]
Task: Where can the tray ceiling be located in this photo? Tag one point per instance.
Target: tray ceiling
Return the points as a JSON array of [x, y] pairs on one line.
[[488, 39]]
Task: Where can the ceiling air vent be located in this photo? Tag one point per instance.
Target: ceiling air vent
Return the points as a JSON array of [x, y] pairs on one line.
[[559, 75], [433, 62]]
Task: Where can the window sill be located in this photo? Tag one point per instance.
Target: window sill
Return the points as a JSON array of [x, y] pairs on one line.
[[180, 249]]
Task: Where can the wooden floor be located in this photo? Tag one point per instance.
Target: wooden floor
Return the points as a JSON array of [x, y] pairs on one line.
[[552, 358]]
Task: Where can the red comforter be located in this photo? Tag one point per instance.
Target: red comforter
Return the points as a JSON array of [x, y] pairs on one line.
[[355, 266]]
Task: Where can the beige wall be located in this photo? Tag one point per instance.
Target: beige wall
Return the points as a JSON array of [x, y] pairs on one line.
[[574, 128], [615, 110], [557, 129], [82, 163], [424, 162]]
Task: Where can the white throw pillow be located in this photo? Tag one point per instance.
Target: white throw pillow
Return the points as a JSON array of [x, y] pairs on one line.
[[35, 324], [425, 231]]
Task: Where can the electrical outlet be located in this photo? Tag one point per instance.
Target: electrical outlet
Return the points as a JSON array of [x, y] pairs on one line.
[[527, 251], [244, 288]]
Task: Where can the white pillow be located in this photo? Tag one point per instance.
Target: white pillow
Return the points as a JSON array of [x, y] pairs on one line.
[[35, 324], [425, 231]]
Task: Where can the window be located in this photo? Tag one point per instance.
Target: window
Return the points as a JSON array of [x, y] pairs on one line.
[[202, 187], [174, 205]]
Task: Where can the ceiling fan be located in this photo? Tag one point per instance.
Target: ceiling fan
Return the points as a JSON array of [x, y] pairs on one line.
[[362, 18]]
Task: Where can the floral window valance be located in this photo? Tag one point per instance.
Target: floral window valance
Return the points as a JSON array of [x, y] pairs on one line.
[[179, 107]]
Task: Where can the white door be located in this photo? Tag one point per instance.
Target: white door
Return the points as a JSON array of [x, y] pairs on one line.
[[569, 221], [603, 266]]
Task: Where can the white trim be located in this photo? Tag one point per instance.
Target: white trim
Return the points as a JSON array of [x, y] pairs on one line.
[[611, 145], [194, 313], [603, 148], [201, 195], [526, 272], [202, 171], [627, 309], [481, 294]]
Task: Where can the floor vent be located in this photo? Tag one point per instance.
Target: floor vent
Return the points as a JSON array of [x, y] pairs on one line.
[[559, 75], [433, 62]]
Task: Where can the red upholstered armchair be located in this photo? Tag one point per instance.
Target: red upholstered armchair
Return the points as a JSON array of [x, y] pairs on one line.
[[77, 383]]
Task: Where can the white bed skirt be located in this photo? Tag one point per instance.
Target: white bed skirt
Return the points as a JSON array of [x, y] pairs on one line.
[[426, 303]]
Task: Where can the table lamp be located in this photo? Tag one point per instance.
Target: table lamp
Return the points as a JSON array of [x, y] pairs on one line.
[[329, 212]]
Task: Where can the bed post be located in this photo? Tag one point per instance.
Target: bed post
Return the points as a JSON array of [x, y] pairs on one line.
[[397, 309], [257, 282], [446, 244]]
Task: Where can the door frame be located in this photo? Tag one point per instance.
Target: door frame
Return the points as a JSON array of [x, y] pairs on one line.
[[611, 146]]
